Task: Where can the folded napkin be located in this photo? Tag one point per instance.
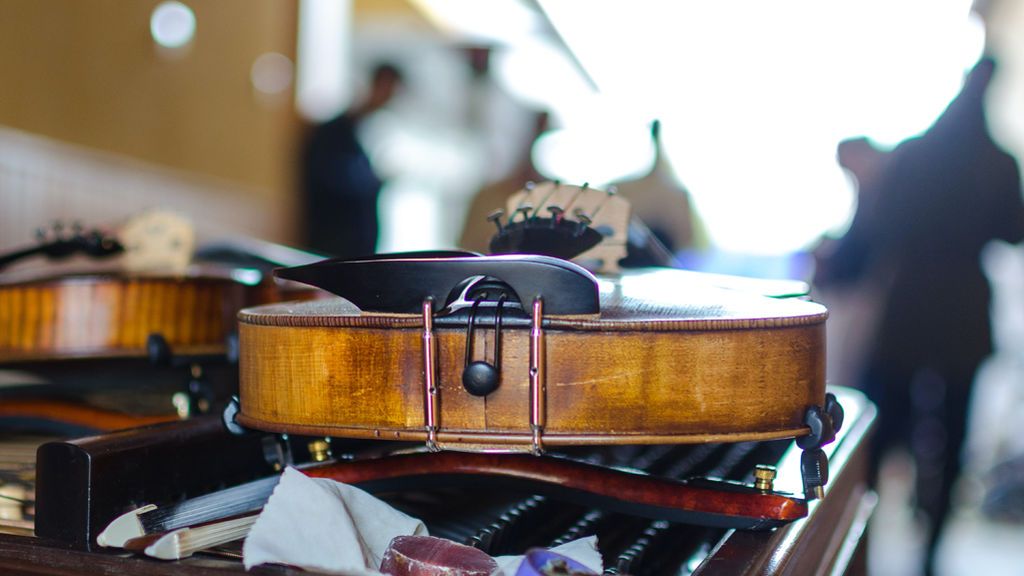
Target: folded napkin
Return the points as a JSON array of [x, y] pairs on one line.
[[321, 524]]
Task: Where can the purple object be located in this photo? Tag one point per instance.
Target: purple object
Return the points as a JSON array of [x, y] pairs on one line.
[[541, 562]]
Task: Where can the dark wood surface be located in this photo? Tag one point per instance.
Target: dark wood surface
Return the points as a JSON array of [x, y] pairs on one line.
[[81, 485], [829, 540], [815, 544], [25, 555]]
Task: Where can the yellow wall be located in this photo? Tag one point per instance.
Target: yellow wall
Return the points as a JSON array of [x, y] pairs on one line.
[[88, 72]]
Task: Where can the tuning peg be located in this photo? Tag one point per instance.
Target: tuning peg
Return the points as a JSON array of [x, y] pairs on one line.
[[556, 214], [496, 218], [41, 234], [814, 471], [524, 209], [834, 410], [582, 221]]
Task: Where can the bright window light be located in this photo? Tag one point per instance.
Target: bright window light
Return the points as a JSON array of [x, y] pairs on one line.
[[271, 73], [753, 97], [173, 24], [323, 83]]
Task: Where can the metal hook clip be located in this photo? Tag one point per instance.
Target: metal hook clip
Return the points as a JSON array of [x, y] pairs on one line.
[[538, 390], [480, 377], [431, 398]]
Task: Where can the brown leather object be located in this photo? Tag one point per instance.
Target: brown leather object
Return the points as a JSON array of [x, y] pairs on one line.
[[671, 358]]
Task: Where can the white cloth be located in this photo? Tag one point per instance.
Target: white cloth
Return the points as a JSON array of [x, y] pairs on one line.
[[321, 524]]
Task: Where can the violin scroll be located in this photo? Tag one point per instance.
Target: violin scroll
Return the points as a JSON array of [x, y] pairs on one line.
[[56, 243]]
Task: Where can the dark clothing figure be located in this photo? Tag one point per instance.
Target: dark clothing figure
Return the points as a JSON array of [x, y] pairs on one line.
[[940, 199], [341, 187], [341, 192]]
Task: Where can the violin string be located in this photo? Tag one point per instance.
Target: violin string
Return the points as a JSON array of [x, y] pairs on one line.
[[607, 197], [579, 191], [552, 188]]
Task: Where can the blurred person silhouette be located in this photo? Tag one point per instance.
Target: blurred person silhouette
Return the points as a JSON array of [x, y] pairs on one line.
[[340, 185], [841, 260], [940, 199], [840, 283]]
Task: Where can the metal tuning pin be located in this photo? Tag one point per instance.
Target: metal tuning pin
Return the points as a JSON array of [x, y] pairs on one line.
[[480, 377], [582, 221], [764, 477], [524, 209], [543, 202], [496, 218], [557, 213], [320, 449]]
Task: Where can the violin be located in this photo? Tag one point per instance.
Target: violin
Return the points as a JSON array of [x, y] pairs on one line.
[[109, 309], [140, 281], [522, 352]]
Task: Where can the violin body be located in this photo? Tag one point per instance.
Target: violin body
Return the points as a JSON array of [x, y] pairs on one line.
[[112, 315], [670, 357]]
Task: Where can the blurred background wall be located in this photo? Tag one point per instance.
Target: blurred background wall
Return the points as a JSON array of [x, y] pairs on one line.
[[752, 100], [100, 120]]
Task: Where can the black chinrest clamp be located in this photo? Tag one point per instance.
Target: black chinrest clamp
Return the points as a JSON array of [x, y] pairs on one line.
[[399, 283]]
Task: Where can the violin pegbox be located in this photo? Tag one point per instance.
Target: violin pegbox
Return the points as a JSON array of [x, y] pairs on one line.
[[587, 225], [157, 241], [62, 240]]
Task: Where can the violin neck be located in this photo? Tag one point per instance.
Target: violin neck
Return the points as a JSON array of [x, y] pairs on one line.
[[12, 257]]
